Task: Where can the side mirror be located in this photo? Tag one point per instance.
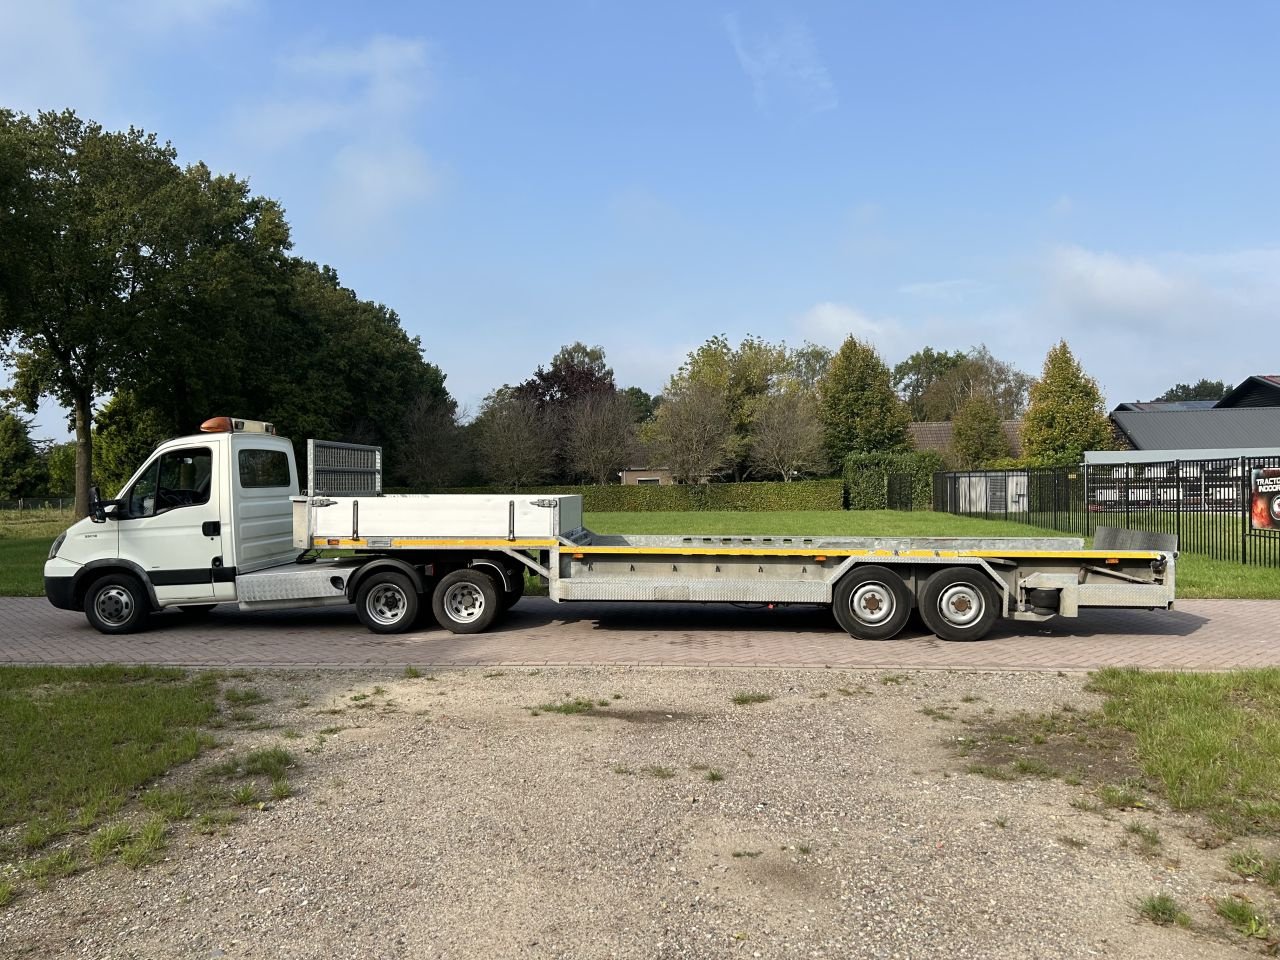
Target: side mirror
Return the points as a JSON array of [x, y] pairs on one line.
[[96, 509]]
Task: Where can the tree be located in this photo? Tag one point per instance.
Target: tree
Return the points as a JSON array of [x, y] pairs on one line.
[[913, 377], [60, 469], [600, 435], [108, 249], [977, 373], [22, 472], [786, 437], [978, 436], [859, 409], [692, 434], [1201, 390], [642, 405], [433, 453], [513, 444], [1067, 414], [125, 433], [576, 371]]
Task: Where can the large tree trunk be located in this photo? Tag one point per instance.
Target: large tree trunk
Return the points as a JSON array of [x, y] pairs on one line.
[[84, 452]]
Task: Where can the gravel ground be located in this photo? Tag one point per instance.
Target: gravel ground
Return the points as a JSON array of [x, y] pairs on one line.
[[447, 820]]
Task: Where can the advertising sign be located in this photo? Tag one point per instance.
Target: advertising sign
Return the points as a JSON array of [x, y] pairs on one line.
[[1265, 506]]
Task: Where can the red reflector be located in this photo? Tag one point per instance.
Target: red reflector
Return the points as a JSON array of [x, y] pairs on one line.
[[1111, 560], [332, 543]]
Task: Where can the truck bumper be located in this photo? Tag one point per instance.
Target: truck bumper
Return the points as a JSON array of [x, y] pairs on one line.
[[61, 592]]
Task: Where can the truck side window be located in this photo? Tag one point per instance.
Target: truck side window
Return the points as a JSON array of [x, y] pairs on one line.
[[264, 468], [179, 478]]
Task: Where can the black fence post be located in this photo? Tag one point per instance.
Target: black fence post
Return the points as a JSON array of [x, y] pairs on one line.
[[1244, 514], [1177, 513]]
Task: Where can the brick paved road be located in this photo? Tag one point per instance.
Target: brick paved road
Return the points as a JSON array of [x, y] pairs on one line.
[[1201, 634]]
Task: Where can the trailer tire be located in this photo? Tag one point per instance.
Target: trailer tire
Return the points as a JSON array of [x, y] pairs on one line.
[[871, 603], [387, 602], [466, 601], [959, 603], [117, 603]]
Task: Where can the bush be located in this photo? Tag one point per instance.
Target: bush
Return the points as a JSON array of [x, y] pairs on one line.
[[799, 495], [866, 475]]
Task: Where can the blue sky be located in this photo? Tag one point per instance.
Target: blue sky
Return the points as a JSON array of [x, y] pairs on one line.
[[514, 176]]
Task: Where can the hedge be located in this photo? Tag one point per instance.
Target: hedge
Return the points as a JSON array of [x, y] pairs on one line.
[[866, 475], [654, 498]]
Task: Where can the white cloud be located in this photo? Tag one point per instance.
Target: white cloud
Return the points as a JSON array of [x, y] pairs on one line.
[[829, 324], [784, 66], [1105, 284]]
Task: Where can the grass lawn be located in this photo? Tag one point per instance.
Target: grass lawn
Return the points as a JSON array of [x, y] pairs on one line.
[[81, 751], [1197, 576]]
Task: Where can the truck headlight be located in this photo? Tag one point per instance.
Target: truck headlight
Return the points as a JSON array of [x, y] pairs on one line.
[[53, 551]]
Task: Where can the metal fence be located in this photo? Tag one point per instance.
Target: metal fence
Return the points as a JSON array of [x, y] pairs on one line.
[[39, 503], [1207, 504]]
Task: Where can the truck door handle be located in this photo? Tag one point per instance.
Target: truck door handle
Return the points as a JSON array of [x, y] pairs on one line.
[[211, 528]]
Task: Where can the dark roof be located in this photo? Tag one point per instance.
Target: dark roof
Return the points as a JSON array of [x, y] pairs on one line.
[[1262, 390], [1153, 406], [937, 435], [1200, 429]]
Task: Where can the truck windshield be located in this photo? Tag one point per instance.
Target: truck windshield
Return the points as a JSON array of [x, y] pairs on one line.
[[179, 478]]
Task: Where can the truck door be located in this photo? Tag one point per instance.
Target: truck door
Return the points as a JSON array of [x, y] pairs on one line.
[[170, 524]]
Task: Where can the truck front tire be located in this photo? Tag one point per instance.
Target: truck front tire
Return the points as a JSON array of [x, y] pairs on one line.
[[387, 602], [117, 603], [466, 601]]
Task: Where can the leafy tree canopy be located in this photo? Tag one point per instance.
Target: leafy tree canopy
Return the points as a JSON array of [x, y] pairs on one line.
[[860, 411], [1067, 414], [1201, 390]]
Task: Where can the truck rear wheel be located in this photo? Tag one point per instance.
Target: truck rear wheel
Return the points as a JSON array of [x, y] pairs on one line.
[[117, 603], [959, 603], [871, 603], [466, 601], [387, 602]]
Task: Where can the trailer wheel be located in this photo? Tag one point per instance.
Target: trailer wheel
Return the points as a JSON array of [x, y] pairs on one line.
[[466, 601], [117, 603], [387, 602], [959, 603], [871, 603]]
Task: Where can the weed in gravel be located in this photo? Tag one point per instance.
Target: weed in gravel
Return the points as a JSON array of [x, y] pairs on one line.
[[1075, 843], [245, 795], [658, 773], [170, 804], [242, 717], [748, 854], [1001, 822], [333, 711], [61, 863], [302, 702], [745, 698], [935, 713], [108, 841], [1034, 767], [289, 733], [412, 673], [567, 707], [970, 698], [494, 674], [216, 821], [245, 696], [358, 697], [1119, 796], [699, 767], [7, 892], [714, 776], [379, 691], [1162, 909], [622, 769], [896, 679], [805, 849], [1087, 805], [147, 846], [1148, 837], [616, 696], [1253, 865], [269, 762], [40, 833], [280, 789], [1241, 914]]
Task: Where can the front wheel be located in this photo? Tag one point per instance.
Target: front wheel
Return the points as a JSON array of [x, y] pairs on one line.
[[117, 603], [387, 603], [466, 601], [959, 603], [871, 603]]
